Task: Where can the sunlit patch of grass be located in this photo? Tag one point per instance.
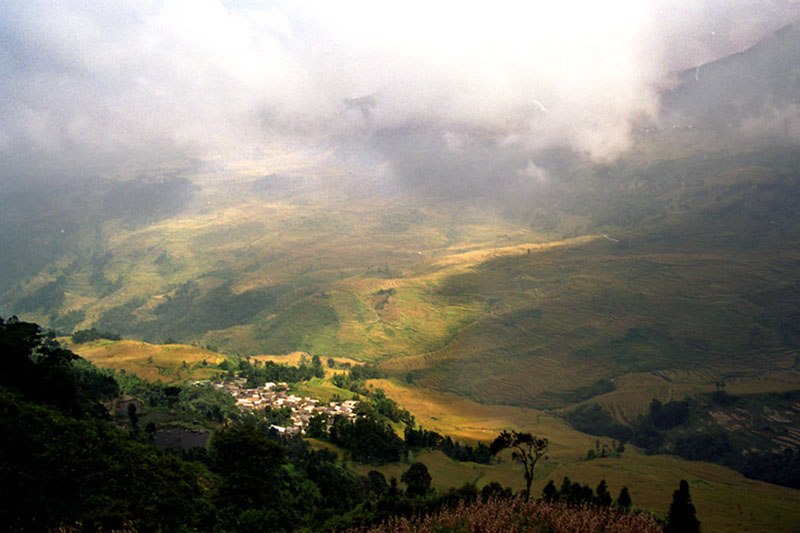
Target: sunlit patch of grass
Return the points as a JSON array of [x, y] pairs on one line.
[[321, 389], [169, 363]]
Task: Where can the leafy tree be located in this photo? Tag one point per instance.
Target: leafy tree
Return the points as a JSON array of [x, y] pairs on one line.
[[208, 402], [280, 416], [316, 366], [367, 439], [527, 450], [338, 487], [376, 482], [586, 495], [36, 366], [681, 517], [624, 498], [417, 480]]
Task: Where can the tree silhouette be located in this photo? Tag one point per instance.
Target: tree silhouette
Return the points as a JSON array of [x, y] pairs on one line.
[[527, 450], [603, 497], [417, 480], [681, 517], [550, 492], [624, 498]]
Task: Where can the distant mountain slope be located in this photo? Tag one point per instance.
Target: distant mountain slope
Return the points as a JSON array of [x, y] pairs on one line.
[[762, 82]]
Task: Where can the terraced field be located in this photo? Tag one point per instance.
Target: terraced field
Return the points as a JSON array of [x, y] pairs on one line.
[[556, 321], [725, 500], [170, 363]]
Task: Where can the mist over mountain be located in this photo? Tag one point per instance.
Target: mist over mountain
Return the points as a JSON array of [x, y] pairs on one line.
[[112, 90], [570, 143], [753, 95]]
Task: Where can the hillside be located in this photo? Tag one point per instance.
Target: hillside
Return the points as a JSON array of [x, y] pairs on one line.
[[170, 363], [650, 478], [695, 276]]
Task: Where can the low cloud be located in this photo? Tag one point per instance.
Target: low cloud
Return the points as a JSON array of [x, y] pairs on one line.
[[418, 89]]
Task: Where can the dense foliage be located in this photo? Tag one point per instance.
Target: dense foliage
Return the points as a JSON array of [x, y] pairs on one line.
[[367, 439], [93, 334], [203, 401], [38, 368], [63, 462]]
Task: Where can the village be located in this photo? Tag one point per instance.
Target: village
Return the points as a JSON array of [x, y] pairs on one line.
[[276, 396]]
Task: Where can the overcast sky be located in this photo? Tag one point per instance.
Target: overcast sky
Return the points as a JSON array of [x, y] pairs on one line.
[[91, 87]]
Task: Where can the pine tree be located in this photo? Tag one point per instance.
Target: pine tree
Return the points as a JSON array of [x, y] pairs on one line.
[[681, 517], [624, 498], [603, 497]]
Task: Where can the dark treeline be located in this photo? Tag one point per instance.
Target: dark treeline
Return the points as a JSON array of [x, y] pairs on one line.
[[92, 334], [422, 438], [645, 432], [680, 519], [573, 493], [370, 439]]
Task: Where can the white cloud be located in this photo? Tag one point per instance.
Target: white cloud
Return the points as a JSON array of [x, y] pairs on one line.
[[101, 84]]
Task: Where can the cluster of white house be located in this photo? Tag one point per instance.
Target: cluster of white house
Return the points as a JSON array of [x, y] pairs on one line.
[[276, 396]]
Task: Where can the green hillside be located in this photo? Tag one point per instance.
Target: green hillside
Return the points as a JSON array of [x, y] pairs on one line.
[[680, 269]]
